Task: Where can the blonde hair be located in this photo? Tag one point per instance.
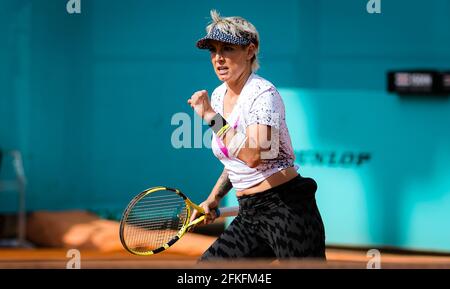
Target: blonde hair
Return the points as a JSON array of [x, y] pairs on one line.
[[238, 27]]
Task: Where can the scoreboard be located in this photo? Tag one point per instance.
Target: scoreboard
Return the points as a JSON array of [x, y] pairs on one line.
[[419, 82]]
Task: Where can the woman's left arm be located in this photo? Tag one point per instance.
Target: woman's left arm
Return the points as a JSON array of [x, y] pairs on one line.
[[258, 140], [248, 148]]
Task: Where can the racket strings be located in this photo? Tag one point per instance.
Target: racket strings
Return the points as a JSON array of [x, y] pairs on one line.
[[154, 220]]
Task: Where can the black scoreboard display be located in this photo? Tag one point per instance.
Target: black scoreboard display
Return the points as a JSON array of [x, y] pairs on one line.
[[419, 82]]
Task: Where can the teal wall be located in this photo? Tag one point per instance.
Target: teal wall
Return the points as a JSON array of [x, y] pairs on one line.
[[89, 98], [400, 194]]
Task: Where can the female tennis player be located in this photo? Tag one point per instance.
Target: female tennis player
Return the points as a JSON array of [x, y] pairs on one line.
[[278, 216]]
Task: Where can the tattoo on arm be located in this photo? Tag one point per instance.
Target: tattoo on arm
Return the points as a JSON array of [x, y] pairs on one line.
[[223, 185]]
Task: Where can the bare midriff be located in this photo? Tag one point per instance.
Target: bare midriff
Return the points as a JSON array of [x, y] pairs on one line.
[[274, 180]]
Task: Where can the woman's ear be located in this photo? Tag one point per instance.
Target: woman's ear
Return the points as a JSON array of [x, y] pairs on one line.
[[251, 51]]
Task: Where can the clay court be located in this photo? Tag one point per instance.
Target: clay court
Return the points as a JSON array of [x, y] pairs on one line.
[[337, 259], [108, 142], [54, 235]]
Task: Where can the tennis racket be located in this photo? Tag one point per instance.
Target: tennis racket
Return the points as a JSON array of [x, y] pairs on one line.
[[158, 217]]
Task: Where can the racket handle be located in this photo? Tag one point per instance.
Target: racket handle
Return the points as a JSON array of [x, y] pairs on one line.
[[227, 212]]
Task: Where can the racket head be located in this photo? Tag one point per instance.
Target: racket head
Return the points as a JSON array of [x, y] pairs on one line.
[[154, 220]]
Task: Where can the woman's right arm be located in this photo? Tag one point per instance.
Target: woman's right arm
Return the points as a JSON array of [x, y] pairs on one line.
[[221, 188]]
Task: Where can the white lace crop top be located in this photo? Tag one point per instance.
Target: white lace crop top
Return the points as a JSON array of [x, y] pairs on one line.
[[258, 103]]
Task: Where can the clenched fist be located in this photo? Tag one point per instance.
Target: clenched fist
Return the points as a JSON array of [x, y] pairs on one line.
[[199, 101]]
